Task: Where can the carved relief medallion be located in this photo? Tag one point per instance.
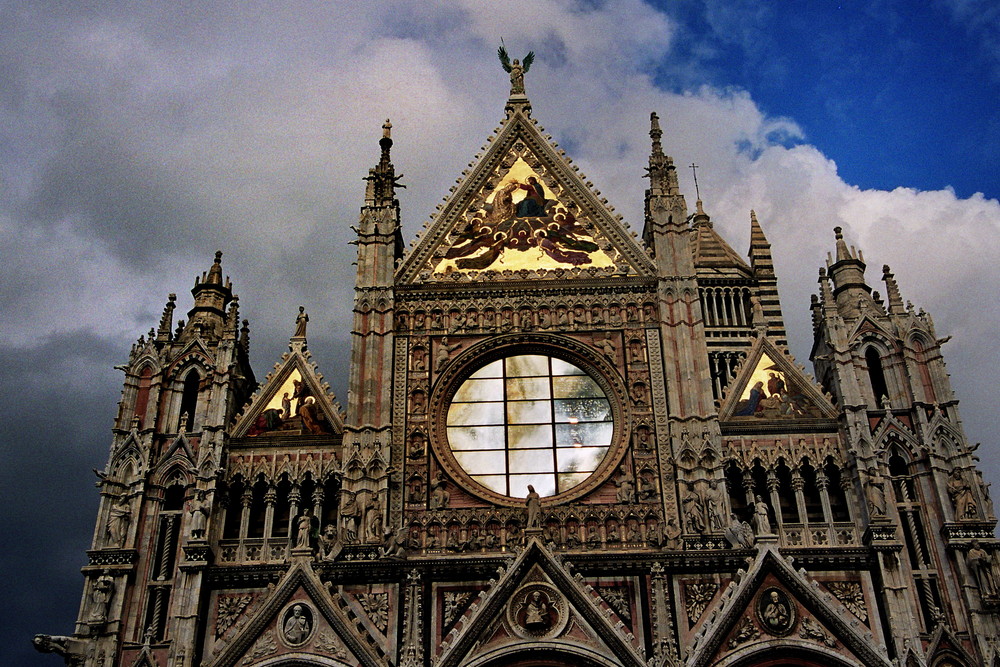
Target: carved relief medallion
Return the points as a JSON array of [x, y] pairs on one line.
[[537, 611], [298, 622], [775, 612]]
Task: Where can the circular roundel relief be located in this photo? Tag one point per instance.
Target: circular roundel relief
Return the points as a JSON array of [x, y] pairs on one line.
[[529, 419], [776, 612], [298, 622], [537, 611]]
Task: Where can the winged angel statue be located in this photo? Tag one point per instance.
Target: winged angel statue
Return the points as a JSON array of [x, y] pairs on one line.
[[517, 69]]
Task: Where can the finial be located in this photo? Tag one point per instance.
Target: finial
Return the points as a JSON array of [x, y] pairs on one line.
[[387, 129], [215, 273], [655, 133], [517, 69]]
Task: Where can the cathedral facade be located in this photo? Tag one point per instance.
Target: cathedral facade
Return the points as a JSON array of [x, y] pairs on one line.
[[563, 444]]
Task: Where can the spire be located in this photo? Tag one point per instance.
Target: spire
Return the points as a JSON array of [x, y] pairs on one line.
[[842, 252], [382, 180], [760, 249], [212, 294], [661, 171], [166, 320], [895, 299]]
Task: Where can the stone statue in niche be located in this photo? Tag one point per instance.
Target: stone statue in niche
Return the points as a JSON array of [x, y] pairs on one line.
[[439, 493], [418, 402], [671, 534], [761, 522], [647, 486], [875, 494], [714, 507], [534, 506], [643, 443], [982, 566], [694, 512], [757, 313], [419, 359], [626, 486], [607, 346], [297, 625], [445, 351], [199, 515], [573, 536], [418, 447], [350, 514], [100, 596], [119, 520], [960, 492], [302, 531]]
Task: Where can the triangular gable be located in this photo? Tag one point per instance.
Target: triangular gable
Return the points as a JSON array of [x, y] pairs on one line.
[[771, 606], [868, 326], [319, 628], [195, 348], [523, 211], [944, 645], [275, 408], [770, 387], [537, 601]]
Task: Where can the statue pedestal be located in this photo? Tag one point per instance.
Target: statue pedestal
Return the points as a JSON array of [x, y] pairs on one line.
[[302, 552]]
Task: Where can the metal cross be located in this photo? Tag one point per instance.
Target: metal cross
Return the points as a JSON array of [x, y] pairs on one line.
[[694, 170]]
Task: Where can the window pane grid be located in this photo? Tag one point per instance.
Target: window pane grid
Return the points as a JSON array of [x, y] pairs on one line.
[[529, 419]]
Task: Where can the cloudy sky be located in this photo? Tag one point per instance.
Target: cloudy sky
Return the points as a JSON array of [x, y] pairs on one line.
[[138, 138]]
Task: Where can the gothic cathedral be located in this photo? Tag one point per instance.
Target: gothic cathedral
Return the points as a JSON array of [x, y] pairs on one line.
[[563, 445]]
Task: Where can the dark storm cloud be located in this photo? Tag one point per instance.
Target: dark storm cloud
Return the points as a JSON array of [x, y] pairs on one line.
[[138, 138]]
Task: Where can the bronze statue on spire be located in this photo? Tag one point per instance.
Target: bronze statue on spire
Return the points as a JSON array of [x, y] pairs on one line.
[[517, 69]]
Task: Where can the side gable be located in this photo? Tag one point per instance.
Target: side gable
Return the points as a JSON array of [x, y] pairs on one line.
[[770, 387], [293, 400], [523, 211]]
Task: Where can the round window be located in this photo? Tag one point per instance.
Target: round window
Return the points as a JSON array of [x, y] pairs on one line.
[[529, 420]]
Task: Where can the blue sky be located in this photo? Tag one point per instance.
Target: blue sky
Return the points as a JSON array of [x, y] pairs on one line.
[[896, 93], [138, 138]]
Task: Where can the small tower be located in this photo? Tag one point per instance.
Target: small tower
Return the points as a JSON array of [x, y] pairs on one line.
[[882, 362], [158, 490], [367, 429]]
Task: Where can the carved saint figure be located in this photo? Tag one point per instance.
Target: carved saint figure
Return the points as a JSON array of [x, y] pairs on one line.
[[875, 493], [350, 512], [982, 566], [775, 613], [694, 516], [119, 520], [304, 525], [713, 506], [572, 536], [761, 522], [536, 612], [960, 492], [534, 505], [300, 323], [626, 486], [100, 595], [297, 626], [445, 353], [199, 515], [439, 494]]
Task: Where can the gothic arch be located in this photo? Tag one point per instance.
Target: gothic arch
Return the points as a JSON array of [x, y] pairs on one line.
[[302, 660], [789, 653], [544, 654]]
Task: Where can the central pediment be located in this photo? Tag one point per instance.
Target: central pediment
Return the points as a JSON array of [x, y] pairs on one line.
[[523, 211]]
